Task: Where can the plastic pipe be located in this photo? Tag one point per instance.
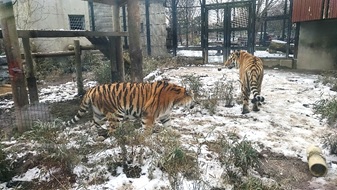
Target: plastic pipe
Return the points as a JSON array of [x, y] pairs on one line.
[[316, 161]]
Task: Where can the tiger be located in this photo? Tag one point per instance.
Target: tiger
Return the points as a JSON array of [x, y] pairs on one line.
[[120, 101], [251, 76]]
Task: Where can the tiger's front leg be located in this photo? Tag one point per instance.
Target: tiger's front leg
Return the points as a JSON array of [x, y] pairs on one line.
[[114, 122], [147, 122], [166, 120]]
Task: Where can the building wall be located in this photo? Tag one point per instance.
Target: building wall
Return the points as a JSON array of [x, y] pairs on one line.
[[317, 45], [103, 22], [50, 15], [158, 31], [103, 17]]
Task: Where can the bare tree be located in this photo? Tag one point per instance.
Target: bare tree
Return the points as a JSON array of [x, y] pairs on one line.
[[29, 12]]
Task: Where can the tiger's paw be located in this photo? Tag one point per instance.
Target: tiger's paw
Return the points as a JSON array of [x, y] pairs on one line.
[[245, 110], [255, 108]]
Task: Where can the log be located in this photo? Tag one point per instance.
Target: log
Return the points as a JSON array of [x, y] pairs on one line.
[[279, 45]]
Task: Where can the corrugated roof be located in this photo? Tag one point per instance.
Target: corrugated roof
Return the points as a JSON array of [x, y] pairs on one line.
[[332, 10], [307, 10]]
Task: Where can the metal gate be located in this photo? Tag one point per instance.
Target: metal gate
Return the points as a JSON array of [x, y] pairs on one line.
[[233, 28]]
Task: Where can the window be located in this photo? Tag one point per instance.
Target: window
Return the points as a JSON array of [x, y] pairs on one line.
[[76, 22]]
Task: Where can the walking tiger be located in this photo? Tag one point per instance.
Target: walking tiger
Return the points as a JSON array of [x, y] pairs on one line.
[[251, 76], [116, 102]]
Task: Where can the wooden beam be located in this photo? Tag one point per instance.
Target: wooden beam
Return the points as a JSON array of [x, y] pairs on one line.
[[64, 33], [53, 54], [31, 79], [107, 2], [79, 78]]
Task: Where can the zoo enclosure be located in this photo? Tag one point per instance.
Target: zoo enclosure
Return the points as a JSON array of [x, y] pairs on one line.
[[25, 116], [217, 28]]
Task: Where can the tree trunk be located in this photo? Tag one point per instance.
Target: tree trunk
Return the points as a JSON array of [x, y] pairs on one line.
[[135, 51], [15, 67]]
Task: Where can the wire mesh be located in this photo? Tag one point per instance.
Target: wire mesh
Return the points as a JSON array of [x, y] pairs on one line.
[[76, 22], [26, 116]]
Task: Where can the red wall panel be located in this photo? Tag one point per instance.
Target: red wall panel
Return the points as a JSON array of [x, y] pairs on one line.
[[332, 10], [306, 10]]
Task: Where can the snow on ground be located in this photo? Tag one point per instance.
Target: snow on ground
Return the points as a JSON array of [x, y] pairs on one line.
[[285, 124], [213, 57]]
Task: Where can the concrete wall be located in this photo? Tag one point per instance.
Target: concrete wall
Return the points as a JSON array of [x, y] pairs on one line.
[[317, 49], [158, 31], [103, 17], [50, 15], [103, 22]]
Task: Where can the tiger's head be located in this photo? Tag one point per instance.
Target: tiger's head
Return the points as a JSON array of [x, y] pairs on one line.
[[232, 60], [185, 98], [170, 95]]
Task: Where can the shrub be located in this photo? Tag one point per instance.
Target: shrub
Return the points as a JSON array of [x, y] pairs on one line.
[[244, 155], [329, 79], [51, 147], [193, 82], [6, 168], [102, 72], [330, 142], [224, 90], [54, 66], [327, 109], [253, 183]]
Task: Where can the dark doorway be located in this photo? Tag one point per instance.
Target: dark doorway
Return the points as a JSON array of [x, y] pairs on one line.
[[228, 26]]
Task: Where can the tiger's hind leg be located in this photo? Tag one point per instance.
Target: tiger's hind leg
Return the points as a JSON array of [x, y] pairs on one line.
[[245, 108], [245, 96], [257, 102], [99, 120], [256, 107]]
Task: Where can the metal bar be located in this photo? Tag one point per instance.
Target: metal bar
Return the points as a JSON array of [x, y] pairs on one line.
[[148, 31], [206, 35], [252, 15], [125, 27], [289, 29], [174, 27], [227, 32], [91, 6], [203, 9]]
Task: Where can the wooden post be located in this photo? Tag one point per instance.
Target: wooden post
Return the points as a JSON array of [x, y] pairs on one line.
[[135, 51], [79, 79], [31, 79], [118, 41], [113, 61], [15, 67]]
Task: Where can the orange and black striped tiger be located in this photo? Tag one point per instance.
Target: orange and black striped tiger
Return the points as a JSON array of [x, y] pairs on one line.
[[251, 76], [116, 102]]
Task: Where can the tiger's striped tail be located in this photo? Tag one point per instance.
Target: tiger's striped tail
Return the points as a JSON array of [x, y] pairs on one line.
[[82, 110], [254, 88], [256, 95]]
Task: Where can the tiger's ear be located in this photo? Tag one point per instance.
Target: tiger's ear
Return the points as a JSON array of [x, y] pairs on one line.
[[189, 92], [237, 53]]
